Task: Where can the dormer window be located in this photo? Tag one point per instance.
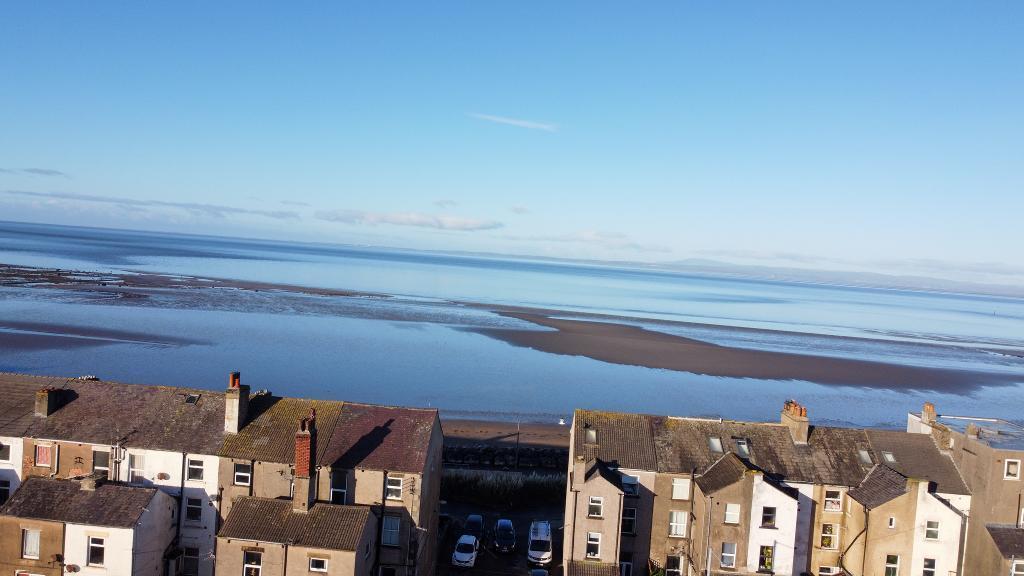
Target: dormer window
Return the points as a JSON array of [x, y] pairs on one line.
[[888, 457], [590, 436], [865, 457], [743, 448], [192, 399], [715, 444]]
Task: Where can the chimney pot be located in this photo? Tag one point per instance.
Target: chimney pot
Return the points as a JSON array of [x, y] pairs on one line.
[[794, 416], [235, 380]]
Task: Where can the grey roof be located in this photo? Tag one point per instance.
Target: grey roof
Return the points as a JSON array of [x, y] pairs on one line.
[[17, 400], [728, 470], [587, 568], [269, 431], [830, 456], [881, 485], [325, 526], [598, 469], [111, 505], [1009, 540]]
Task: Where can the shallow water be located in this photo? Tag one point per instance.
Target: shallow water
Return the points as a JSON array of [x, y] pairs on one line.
[[417, 350]]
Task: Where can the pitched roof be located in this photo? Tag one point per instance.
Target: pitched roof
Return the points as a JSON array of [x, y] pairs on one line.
[[1009, 540], [831, 456], [588, 568], [153, 417], [598, 469], [881, 485], [625, 440], [326, 526], [17, 400], [380, 438], [269, 432], [111, 505], [728, 470]]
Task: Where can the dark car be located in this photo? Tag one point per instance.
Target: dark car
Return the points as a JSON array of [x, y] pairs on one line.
[[504, 536], [538, 572], [474, 526]]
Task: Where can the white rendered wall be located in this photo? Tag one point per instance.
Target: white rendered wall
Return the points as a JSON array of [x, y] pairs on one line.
[[117, 557], [10, 470], [946, 550], [154, 534], [782, 537]]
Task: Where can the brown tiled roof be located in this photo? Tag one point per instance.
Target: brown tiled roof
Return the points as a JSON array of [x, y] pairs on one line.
[[110, 505], [380, 438], [728, 470], [269, 431], [17, 400], [152, 417], [325, 526], [586, 568], [881, 485], [918, 458], [830, 456], [1009, 540], [626, 440]]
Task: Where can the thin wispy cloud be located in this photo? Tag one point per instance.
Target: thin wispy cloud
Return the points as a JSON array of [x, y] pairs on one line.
[[608, 240], [36, 172], [415, 219], [518, 122], [294, 203], [131, 204], [519, 210], [445, 203]]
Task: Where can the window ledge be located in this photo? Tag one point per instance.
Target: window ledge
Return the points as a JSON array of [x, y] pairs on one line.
[[769, 527]]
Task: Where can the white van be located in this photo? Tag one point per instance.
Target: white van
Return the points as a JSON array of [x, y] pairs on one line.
[[539, 550]]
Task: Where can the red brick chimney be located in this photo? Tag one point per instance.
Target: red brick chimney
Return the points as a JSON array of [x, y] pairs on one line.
[[304, 493], [794, 416], [236, 403]]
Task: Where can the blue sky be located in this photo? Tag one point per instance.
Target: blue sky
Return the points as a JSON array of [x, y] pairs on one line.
[[866, 136]]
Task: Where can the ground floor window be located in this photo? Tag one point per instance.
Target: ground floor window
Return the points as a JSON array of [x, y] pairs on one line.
[[388, 571], [892, 565], [190, 562], [766, 559], [194, 509], [392, 529], [728, 555], [97, 551], [929, 567], [1018, 568], [828, 570], [252, 563], [593, 544], [625, 564], [673, 566], [318, 565]]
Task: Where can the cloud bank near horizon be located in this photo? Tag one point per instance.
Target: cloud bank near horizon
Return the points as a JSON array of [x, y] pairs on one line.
[[131, 204], [414, 219]]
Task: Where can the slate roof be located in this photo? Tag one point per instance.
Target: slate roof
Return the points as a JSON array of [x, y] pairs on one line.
[[152, 417], [586, 568], [830, 456], [110, 505], [269, 431], [1009, 540], [17, 400], [598, 469], [728, 470], [325, 526], [380, 438], [881, 485]]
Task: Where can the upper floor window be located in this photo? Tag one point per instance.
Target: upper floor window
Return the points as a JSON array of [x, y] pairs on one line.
[[318, 565], [768, 517], [728, 559], [732, 513], [828, 570], [252, 563], [829, 536], [392, 530], [595, 507], [892, 521], [865, 457], [715, 444], [680, 488], [892, 565], [136, 468], [888, 457], [42, 455], [1011, 469], [1018, 568], [931, 530], [97, 551], [593, 544], [339, 486], [630, 485], [101, 462], [195, 469], [243, 474], [5, 452], [590, 436], [394, 488], [30, 544], [743, 448], [629, 520], [194, 509], [833, 501], [677, 523]]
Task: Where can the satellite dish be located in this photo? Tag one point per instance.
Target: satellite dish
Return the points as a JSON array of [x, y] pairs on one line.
[[72, 568], [163, 476]]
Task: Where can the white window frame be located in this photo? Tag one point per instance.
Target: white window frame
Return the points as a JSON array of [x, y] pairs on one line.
[[743, 448], [593, 538], [257, 568], [104, 469], [625, 568], [835, 503], [1018, 568], [194, 465], [630, 485], [393, 487], [681, 488], [889, 457], [193, 504], [597, 501], [715, 445], [49, 455], [828, 570], [96, 542], [25, 538], [928, 570], [929, 530], [391, 533], [730, 555], [889, 565], [892, 522], [630, 515], [1006, 469], [136, 473], [343, 490], [236, 474], [312, 569], [590, 436], [865, 460], [677, 520], [834, 535], [678, 570], [734, 511], [774, 516], [185, 556]]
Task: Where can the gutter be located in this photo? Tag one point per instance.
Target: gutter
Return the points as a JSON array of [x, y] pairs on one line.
[[181, 500], [689, 525], [707, 547]]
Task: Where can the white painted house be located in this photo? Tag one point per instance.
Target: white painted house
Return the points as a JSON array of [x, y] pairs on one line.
[[773, 524], [10, 466]]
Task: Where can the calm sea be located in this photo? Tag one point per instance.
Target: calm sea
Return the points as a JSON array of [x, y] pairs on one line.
[[414, 349]]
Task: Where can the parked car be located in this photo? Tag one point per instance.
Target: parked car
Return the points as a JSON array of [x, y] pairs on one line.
[[466, 548], [539, 549], [504, 536], [474, 526], [538, 572]]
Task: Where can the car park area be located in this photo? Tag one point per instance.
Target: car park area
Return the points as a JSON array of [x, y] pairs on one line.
[[488, 560]]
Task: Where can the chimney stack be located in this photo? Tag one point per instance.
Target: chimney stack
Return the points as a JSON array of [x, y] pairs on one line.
[[304, 493], [794, 416], [90, 482], [928, 413], [236, 404], [47, 401]]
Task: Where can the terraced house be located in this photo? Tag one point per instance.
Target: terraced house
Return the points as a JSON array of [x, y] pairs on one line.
[[701, 496]]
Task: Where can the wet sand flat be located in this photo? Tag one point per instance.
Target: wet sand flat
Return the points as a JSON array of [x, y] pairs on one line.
[[458, 431]]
